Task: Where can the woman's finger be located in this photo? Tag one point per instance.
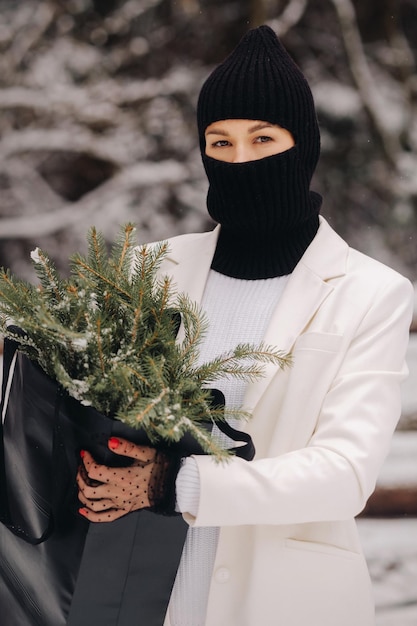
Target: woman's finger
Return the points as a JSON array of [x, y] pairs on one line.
[[97, 506], [144, 454], [106, 516]]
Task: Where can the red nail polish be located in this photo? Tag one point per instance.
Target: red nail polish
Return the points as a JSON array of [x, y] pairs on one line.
[[82, 511], [114, 443], [82, 453]]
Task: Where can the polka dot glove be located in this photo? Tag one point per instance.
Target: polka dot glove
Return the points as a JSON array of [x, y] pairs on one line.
[[108, 493]]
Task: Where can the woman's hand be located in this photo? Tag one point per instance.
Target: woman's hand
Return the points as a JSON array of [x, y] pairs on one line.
[[108, 493]]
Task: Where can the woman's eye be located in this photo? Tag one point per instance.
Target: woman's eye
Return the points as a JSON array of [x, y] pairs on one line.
[[220, 144], [263, 139]]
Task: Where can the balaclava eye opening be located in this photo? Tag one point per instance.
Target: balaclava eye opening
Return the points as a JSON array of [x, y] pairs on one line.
[[268, 214]]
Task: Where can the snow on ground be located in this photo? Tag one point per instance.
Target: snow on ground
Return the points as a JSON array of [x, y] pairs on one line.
[[390, 548]]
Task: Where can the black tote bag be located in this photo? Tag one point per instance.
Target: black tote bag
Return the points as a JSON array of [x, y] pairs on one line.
[[41, 536], [56, 568]]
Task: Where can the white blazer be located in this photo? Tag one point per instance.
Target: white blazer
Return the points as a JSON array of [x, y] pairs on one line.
[[288, 552]]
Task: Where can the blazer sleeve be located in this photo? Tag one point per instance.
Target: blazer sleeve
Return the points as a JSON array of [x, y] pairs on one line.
[[332, 477]]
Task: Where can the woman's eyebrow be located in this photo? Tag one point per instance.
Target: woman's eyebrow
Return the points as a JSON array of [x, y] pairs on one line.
[[251, 129], [217, 131], [260, 126]]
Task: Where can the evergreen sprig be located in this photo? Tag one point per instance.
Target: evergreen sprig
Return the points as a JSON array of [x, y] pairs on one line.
[[108, 336]]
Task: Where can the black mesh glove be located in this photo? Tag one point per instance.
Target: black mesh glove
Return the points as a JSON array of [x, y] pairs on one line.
[[161, 488], [108, 493]]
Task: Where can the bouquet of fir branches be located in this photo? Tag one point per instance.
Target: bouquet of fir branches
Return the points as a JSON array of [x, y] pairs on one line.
[[108, 335]]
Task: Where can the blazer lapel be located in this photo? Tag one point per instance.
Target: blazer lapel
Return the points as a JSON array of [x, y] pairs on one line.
[[308, 287], [188, 262]]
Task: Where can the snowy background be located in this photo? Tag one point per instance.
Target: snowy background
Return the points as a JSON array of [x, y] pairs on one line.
[[97, 126]]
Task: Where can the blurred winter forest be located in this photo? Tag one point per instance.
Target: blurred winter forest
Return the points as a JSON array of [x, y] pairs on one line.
[[97, 116]]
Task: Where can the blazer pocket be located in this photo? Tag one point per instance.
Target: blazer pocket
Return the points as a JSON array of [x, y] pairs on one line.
[[324, 342], [321, 548]]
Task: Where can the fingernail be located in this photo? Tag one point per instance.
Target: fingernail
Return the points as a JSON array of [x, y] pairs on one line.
[[114, 443], [82, 511], [82, 453]]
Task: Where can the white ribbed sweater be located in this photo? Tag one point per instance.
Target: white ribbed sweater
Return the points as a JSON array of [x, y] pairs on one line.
[[238, 312]]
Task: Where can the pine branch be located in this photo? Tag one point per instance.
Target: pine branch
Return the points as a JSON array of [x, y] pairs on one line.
[[194, 326], [121, 255], [108, 335], [96, 251], [79, 261], [48, 275], [241, 363]]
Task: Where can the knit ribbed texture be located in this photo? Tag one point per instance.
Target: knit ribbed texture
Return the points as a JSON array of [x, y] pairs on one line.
[[267, 212], [188, 487], [238, 311], [260, 81]]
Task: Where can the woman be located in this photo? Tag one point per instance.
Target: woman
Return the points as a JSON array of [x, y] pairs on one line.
[[273, 541]]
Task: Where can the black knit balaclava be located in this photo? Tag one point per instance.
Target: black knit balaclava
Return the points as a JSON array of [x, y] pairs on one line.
[[268, 214]]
